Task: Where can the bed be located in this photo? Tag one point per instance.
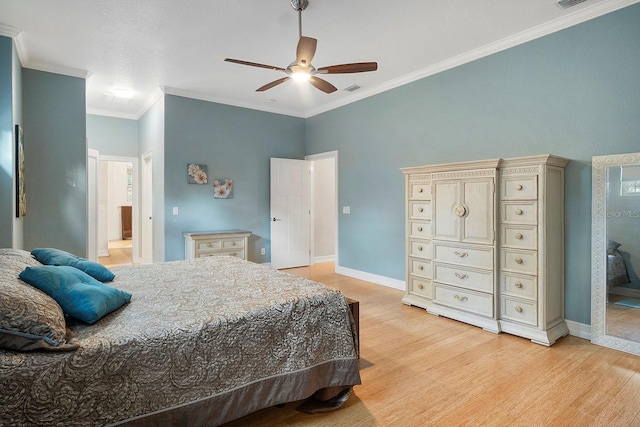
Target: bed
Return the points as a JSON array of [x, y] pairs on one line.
[[202, 342]]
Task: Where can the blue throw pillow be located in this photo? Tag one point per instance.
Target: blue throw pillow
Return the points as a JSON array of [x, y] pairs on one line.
[[51, 256], [79, 294]]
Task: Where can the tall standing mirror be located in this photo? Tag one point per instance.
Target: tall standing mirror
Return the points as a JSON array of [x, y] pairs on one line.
[[615, 252]]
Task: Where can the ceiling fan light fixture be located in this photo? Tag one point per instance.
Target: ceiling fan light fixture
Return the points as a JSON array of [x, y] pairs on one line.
[[300, 76]]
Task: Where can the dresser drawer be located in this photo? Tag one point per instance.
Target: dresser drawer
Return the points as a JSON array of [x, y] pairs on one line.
[[420, 248], [519, 310], [464, 256], [474, 302], [520, 261], [208, 245], [519, 187], [479, 280], [519, 286], [420, 210], [232, 243], [520, 236], [420, 191], [238, 254], [520, 213], [421, 230], [420, 267], [420, 287]]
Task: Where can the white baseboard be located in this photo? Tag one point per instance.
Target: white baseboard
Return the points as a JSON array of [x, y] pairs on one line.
[[580, 330], [321, 259], [576, 329], [373, 278], [103, 252]]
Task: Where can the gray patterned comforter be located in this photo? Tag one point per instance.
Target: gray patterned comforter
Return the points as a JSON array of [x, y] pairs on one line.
[[219, 335]]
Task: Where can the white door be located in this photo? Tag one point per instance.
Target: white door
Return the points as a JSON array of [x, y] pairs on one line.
[[92, 205], [147, 209], [290, 214]]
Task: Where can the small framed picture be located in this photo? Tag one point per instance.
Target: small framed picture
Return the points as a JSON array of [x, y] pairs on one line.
[[196, 174], [223, 188]]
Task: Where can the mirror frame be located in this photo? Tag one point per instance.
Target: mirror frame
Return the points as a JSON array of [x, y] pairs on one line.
[[599, 249]]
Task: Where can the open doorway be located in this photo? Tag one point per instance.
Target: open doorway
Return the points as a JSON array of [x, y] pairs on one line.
[[324, 207], [117, 235]]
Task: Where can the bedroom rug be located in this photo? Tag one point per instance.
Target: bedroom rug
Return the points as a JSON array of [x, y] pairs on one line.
[[314, 405], [629, 302]]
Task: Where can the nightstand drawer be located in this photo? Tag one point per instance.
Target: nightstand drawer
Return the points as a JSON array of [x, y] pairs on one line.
[[237, 254], [208, 245]]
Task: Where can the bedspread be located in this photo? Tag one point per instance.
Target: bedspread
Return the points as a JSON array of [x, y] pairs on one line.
[[232, 335]]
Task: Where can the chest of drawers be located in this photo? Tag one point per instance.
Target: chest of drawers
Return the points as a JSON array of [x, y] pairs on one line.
[[485, 244], [216, 243]]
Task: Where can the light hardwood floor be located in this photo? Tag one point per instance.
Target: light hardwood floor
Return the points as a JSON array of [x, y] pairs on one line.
[[418, 369], [120, 253]]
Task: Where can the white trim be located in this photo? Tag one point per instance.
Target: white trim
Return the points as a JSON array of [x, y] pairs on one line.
[[57, 69], [580, 330], [111, 113], [103, 253], [373, 278], [9, 31], [157, 94], [547, 28], [326, 258]]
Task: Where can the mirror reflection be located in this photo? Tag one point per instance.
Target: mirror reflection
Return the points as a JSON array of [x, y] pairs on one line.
[[623, 251]]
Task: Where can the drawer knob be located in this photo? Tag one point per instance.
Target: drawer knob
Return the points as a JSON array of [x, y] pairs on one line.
[[460, 298], [234, 254], [421, 267], [419, 228], [419, 248], [420, 190], [518, 260], [420, 209], [518, 187], [518, 236], [420, 286], [461, 276], [519, 212], [461, 254], [518, 285], [210, 245], [518, 309], [234, 243]]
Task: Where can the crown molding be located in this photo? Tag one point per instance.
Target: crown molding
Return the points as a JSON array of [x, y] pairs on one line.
[[204, 97], [111, 113], [57, 69], [575, 18], [155, 96], [9, 31]]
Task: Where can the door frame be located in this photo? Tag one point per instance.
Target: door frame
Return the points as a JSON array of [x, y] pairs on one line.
[[146, 182], [320, 156]]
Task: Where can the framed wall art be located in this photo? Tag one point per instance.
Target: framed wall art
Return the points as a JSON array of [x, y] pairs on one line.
[[21, 195], [223, 188], [196, 174]]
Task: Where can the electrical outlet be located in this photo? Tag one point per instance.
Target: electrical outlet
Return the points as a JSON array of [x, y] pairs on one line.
[[262, 251]]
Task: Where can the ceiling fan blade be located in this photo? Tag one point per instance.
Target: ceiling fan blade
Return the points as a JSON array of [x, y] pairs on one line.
[[356, 67], [253, 64], [272, 84], [323, 85], [305, 51]]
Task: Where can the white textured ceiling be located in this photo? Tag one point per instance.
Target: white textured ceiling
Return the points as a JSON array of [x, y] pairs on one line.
[[178, 46]]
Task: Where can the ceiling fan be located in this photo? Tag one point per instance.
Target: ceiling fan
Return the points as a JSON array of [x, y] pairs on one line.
[[301, 68]]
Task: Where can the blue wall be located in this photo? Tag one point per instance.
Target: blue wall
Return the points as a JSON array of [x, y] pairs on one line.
[[575, 93], [234, 143], [7, 190], [113, 136], [55, 135]]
